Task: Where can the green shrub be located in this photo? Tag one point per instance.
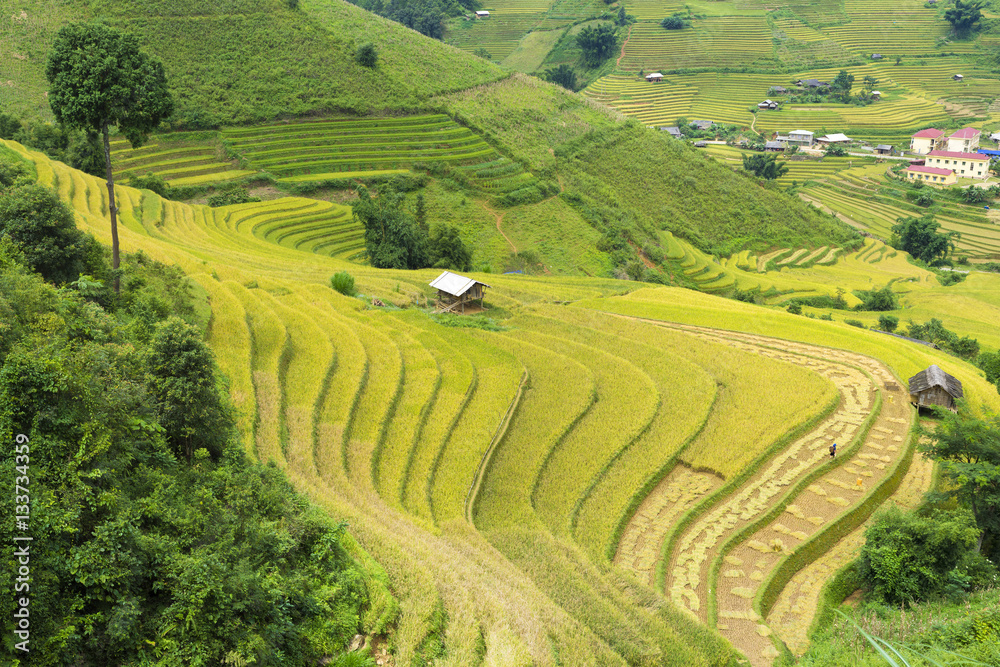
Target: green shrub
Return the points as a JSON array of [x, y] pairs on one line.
[[795, 308], [908, 558], [856, 323], [877, 299], [232, 194], [343, 282], [151, 182], [367, 55], [888, 322]]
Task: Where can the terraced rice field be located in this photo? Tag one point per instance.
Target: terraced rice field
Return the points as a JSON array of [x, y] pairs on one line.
[[495, 475], [343, 148], [182, 158], [721, 41]]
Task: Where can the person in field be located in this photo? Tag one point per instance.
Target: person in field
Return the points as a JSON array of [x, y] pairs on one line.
[[833, 450]]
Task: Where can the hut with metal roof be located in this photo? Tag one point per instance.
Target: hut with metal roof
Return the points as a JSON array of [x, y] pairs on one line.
[[455, 292], [934, 387]]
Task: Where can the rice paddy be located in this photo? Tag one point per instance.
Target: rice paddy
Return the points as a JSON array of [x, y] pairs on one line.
[[498, 475]]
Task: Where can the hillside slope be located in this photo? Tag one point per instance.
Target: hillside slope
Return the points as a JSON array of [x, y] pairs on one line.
[[252, 60], [255, 60]]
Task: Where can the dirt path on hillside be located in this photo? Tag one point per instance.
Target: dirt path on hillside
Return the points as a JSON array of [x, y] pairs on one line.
[[499, 218], [750, 562], [624, 44]]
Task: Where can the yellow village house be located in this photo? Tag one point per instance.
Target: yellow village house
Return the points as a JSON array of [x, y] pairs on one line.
[[931, 175], [965, 140], [965, 165], [925, 141]]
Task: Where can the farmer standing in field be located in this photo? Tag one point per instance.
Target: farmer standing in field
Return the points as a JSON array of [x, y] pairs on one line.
[[833, 450]]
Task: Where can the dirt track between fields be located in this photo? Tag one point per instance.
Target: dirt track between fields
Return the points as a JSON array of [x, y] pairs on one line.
[[748, 563]]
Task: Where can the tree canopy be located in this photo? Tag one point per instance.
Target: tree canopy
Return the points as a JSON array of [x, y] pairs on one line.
[[764, 165], [99, 78], [920, 237], [562, 75], [963, 16], [43, 229], [597, 43], [968, 449], [393, 239]]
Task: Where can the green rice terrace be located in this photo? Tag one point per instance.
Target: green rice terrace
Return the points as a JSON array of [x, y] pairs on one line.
[[323, 150]]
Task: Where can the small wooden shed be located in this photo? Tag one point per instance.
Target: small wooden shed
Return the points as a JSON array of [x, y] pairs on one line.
[[455, 292], [934, 387]]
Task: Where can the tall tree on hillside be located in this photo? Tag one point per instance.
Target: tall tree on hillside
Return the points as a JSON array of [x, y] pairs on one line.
[[98, 79], [964, 16]]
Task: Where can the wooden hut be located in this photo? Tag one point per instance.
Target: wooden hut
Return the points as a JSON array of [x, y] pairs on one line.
[[934, 387], [455, 292]]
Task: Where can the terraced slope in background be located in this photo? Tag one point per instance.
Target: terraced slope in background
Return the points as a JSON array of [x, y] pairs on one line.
[[548, 434]]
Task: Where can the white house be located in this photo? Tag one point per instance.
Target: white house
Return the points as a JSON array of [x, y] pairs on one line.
[[965, 140], [482, 14], [925, 141], [965, 165], [801, 137], [838, 138]]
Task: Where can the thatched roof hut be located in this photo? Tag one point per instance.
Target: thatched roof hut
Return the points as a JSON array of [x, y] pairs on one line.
[[934, 387]]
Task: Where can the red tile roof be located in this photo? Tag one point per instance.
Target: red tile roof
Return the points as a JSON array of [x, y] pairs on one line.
[[930, 170], [959, 156], [966, 133], [929, 133]]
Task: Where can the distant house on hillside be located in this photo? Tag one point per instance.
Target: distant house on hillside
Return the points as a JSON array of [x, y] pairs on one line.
[[965, 165], [884, 149], [777, 90], [876, 56], [702, 124], [995, 137], [965, 140], [813, 83], [767, 105], [700, 144], [801, 137], [673, 131], [931, 175], [925, 141], [455, 292], [876, 94], [482, 14], [654, 77], [775, 146], [934, 387], [958, 77]]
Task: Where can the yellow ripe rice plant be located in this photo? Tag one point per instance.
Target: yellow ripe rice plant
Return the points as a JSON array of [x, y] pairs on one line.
[[627, 400], [421, 379], [458, 383], [560, 391], [269, 343], [498, 377]]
